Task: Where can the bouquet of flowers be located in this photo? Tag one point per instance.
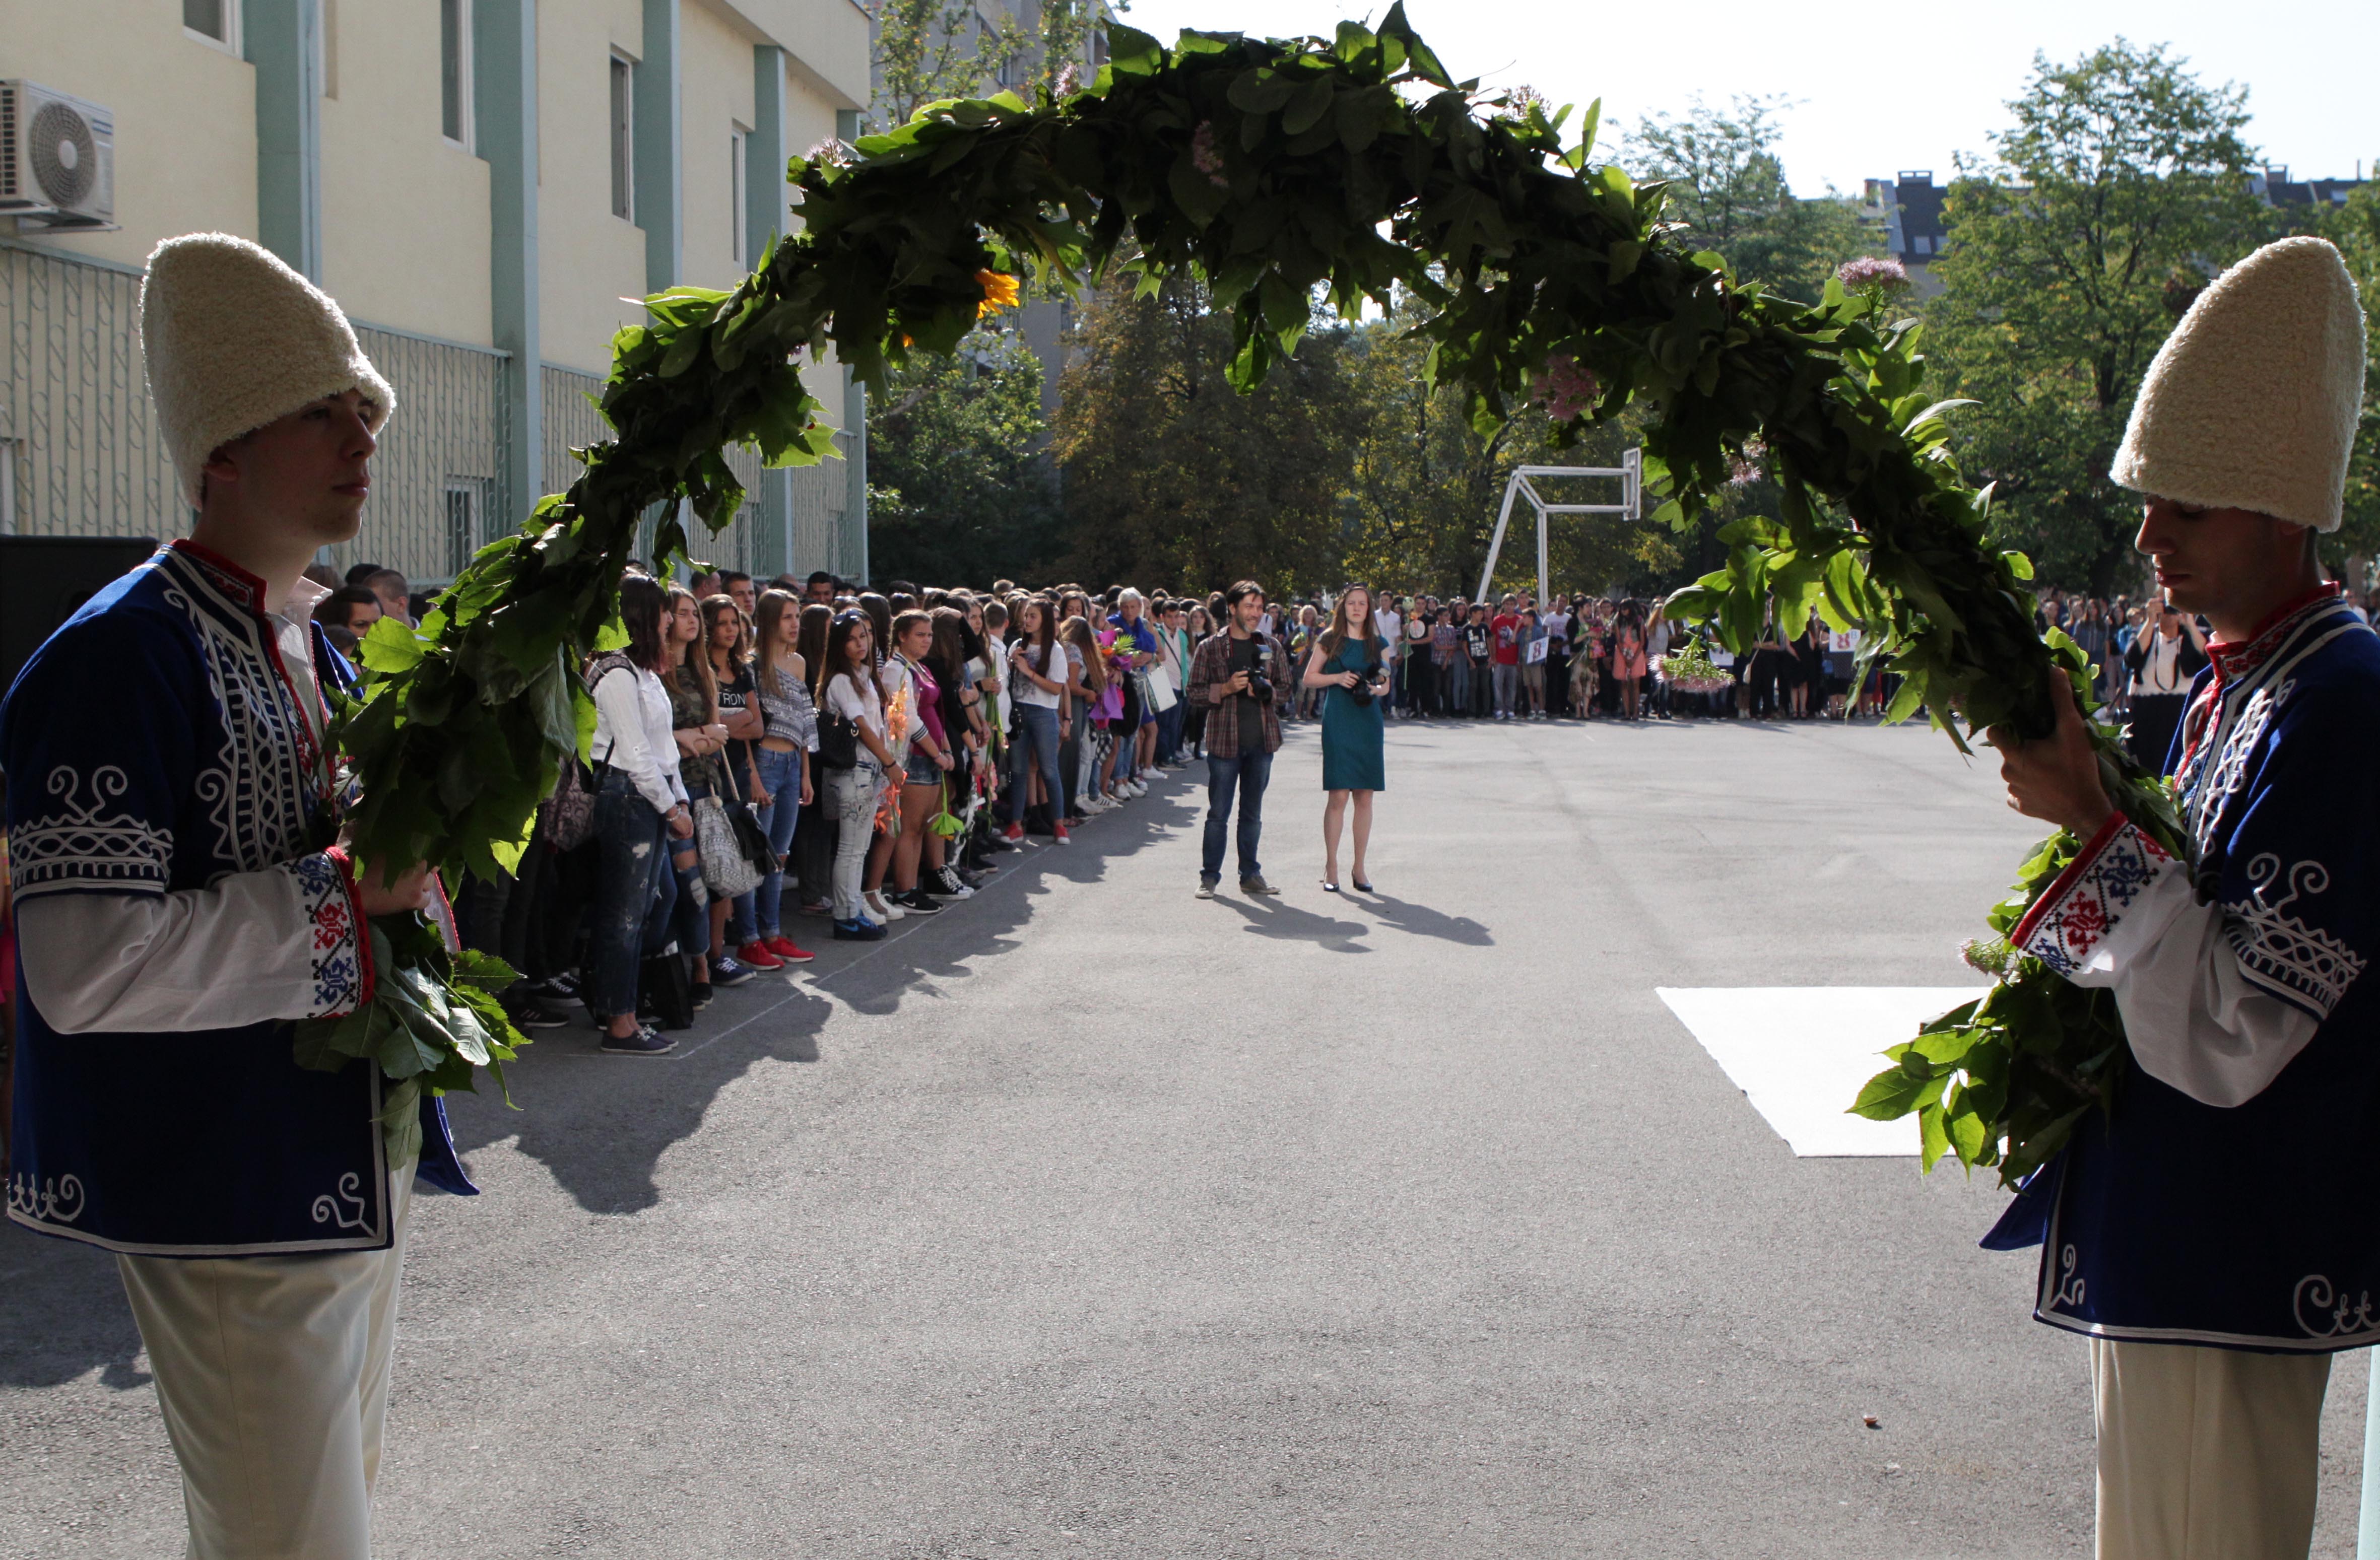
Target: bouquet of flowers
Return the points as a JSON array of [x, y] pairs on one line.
[[1689, 669], [896, 725]]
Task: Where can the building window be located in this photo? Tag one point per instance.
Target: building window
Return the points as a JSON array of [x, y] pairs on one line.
[[623, 137], [466, 510], [454, 70], [1925, 244], [215, 21], [739, 225]]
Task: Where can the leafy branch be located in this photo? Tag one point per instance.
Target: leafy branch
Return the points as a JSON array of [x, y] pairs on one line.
[[1352, 166]]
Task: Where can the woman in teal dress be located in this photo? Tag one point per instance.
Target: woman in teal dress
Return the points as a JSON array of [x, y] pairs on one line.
[[1347, 665]]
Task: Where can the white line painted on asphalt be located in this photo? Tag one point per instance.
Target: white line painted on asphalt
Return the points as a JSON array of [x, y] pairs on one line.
[[1801, 1053]]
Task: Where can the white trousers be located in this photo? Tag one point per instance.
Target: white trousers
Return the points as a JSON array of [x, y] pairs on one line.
[[2206, 1454], [272, 1374]]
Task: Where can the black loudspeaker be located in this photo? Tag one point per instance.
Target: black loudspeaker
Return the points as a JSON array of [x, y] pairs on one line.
[[44, 580]]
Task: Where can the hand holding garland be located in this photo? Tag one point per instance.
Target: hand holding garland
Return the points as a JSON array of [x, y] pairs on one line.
[[2057, 777]]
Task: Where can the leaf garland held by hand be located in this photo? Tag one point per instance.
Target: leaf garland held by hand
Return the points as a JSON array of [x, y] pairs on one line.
[[1353, 167]]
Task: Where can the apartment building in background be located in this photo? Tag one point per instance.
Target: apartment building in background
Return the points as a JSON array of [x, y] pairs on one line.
[[1909, 206], [480, 183]]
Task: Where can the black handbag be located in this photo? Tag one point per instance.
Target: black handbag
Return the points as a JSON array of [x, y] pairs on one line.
[[751, 839], [838, 740], [664, 982], [568, 815]]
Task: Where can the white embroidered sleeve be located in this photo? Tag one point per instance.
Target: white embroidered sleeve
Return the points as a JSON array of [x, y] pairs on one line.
[[278, 944], [2123, 917], [619, 700]]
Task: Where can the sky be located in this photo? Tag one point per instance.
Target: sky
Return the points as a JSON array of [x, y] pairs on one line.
[[1935, 77]]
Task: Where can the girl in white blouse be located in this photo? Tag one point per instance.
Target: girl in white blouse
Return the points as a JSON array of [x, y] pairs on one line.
[[639, 803]]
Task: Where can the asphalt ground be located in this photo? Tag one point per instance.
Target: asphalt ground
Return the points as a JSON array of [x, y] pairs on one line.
[[1090, 1219]]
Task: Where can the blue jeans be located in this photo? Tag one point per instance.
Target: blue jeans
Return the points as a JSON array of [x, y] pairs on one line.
[[690, 917], [635, 893], [1458, 686], [1123, 768], [780, 776], [1247, 775], [1035, 746], [1168, 729]]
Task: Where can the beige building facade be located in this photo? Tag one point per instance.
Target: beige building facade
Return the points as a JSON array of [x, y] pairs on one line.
[[480, 183]]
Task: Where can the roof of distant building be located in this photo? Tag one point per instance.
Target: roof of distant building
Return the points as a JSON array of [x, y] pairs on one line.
[[2275, 185]]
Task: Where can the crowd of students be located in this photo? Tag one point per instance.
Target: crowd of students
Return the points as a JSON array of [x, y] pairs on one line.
[[1581, 657], [769, 752]]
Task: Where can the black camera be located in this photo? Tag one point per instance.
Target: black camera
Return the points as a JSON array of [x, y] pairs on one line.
[[1259, 687], [1361, 693]]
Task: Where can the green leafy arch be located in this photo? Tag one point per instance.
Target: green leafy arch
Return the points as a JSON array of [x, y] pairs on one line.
[[1354, 165]]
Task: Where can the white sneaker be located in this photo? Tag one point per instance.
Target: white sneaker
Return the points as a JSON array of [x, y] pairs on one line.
[[1150, 773], [1136, 788], [885, 909]]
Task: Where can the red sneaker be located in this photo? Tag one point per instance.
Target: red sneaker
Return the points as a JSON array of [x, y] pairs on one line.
[[1064, 838], [784, 948], [757, 954], [1014, 834]]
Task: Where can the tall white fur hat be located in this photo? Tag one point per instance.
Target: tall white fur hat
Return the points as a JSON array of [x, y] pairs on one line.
[[234, 340], [2252, 402]]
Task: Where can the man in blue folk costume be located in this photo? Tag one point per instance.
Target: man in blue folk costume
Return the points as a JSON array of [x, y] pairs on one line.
[[2215, 1234], [182, 897]]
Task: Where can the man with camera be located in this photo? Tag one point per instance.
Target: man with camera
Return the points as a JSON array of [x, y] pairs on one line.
[[1233, 674]]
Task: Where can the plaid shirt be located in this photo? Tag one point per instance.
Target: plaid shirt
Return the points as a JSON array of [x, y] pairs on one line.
[[1210, 667]]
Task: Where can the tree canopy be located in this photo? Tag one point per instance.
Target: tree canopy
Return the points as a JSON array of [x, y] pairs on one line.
[[1174, 477], [1726, 186], [959, 486], [2120, 189]]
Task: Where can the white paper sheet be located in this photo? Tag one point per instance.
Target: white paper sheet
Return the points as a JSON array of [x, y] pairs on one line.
[[1801, 1053]]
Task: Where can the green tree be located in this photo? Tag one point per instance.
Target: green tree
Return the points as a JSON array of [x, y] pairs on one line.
[[1065, 32], [929, 50], [1729, 188], [958, 491], [2355, 228], [1424, 485], [2122, 187], [1175, 480]]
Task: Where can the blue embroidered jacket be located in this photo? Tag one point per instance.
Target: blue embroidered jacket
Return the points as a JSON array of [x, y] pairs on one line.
[[155, 746], [2168, 1219]]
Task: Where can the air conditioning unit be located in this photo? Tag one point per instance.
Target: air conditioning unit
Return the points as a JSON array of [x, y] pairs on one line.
[[57, 158]]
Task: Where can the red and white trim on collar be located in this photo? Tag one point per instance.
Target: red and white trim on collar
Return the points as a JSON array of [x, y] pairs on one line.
[[2237, 657], [242, 587]]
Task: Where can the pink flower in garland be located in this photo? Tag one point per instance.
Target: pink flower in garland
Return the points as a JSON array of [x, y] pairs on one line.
[[830, 153], [1204, 155], [1069, 80], [1884, 275], [1746, 469], [1564, 389]]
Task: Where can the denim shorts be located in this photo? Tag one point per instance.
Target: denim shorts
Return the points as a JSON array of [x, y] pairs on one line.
[[921, 771]]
